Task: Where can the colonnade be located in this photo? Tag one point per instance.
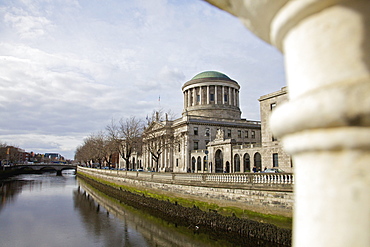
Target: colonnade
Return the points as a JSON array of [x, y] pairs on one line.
[[211, 94]]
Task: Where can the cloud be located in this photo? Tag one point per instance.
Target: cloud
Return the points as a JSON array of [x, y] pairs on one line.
[[27, 26], [68, 67]]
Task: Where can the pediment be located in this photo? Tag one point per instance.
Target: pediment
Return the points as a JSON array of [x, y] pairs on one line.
[[154, 126]]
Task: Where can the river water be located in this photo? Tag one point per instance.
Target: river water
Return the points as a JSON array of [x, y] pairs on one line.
[[49, 210]]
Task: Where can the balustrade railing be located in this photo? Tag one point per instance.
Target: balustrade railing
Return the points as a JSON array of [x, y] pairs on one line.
[[226, 178]]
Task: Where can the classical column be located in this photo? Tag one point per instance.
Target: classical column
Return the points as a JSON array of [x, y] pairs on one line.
[[326, 123], [229, 96], [189, 97], [208, 101], [237, 98], [216, 97], [185, 99], [223, 95], [200, 95], [194, 95]]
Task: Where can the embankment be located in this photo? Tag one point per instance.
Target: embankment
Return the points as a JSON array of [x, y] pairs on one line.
[[240, 230]]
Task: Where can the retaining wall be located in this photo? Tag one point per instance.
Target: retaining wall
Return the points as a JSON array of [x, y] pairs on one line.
[[267, 199]]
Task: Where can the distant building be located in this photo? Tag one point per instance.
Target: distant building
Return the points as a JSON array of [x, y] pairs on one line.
[[53, 157]]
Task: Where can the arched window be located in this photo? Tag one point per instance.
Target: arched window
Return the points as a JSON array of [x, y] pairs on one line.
[[227, 167], [205, 165], [247, 163], [236, 163], [193, 161], [199, 164], [257, 161]]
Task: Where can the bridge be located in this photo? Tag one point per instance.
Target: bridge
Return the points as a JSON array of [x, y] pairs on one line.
[[46, 166]]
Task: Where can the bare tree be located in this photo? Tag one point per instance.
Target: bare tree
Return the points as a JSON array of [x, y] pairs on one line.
[[94, 149], [109, 150], [126, 136]]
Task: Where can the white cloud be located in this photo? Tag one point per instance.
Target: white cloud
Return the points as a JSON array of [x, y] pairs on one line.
[[68, 67]]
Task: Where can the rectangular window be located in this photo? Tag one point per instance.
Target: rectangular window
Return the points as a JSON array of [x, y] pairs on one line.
[[225, 97], [212, 97], [196, 145], [229, 133], [198, 98], [177, 162], [246, 134], [275, 160], [253, 134], [272, 106], [207, 132], [239, 134], [179, 147], [195, 131]]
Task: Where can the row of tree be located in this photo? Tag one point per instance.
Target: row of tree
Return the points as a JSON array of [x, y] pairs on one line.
[[120, 139]]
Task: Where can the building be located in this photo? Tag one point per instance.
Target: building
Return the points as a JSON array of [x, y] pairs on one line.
[[273, 154], [211, 136]]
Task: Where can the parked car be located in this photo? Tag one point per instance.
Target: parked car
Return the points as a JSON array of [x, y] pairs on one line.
[[273, 170]]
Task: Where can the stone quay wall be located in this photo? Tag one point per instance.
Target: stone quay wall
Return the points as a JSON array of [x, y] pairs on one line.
[[267, 195]]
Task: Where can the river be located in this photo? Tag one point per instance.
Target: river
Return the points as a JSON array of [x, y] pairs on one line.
[[49, 210]]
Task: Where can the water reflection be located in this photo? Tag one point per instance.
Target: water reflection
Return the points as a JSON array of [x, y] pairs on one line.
[[9, 191], [140, 229], [101, 225], [50, 210]]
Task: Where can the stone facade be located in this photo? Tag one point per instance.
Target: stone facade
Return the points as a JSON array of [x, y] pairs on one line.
[[211, 114], [210, 136], [273, 154]]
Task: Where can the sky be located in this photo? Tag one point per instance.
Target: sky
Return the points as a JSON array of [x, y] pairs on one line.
[[68, 67]]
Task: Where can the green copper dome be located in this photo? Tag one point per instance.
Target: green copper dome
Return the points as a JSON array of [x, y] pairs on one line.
[[210, 74]]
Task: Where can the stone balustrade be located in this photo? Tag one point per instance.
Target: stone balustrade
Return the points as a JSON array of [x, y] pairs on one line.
[[269, 179]]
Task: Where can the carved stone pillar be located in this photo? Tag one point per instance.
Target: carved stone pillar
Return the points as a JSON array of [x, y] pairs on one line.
[[326, 123]]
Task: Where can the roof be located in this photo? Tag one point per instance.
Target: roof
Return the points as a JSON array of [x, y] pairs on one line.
[[210, 77], [210, 74]]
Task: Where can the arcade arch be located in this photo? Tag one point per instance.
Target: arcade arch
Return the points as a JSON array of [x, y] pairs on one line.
[[218, 161], [236, 163], [247, 162], [257, 161]]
